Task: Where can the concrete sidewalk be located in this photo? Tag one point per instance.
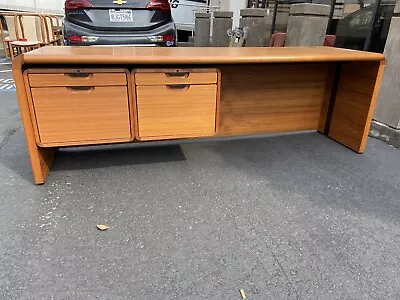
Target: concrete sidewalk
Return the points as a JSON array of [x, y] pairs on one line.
[[291, 217]]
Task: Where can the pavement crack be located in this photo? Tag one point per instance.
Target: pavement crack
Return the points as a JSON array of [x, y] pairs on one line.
[[289, 284], [291, 289]]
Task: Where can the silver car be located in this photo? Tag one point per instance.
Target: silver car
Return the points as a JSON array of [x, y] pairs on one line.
[[119, 22]]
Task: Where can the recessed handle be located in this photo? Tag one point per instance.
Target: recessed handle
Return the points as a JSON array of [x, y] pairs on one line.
[[177, 74], [178, 86], [79, 75], [81, 88]]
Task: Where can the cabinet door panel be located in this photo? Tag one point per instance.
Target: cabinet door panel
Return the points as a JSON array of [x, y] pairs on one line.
[[71, 115], [177, 111]]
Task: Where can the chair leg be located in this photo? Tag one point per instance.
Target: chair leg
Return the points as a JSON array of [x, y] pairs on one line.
[[6, 51], [11, 52]]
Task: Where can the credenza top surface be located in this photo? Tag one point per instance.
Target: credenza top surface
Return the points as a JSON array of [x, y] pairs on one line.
[[193, 55]]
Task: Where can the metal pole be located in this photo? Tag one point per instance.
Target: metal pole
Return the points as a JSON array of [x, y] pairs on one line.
[[372, 25], [274, 17], [333, 4]]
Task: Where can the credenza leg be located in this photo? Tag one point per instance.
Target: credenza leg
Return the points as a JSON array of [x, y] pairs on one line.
[[41, 158], [42, 167], [354, 103]]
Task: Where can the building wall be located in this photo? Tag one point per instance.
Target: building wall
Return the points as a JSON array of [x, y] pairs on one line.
[[388, 106], [50, 6], [231, 5]]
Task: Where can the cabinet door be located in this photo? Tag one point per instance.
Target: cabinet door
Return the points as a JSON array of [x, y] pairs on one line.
[[176, 111], [81, 115]]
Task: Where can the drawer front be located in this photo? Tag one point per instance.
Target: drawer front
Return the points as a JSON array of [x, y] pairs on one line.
[[68, 115], [161, 77], [168, 112], [77, 79]]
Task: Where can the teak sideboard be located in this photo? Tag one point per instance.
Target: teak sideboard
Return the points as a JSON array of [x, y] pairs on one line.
[[73, 96]]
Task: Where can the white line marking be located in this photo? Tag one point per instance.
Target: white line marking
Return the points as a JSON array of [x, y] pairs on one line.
[[4, 71], [7, 80]]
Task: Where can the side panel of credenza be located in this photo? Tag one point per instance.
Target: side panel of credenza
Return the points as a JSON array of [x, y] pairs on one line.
[[354, 103], [41, 158]]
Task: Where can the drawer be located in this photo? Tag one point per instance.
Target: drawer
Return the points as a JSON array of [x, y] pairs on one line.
[[174, 76], [169, 112], [77, 79], [67, 115]]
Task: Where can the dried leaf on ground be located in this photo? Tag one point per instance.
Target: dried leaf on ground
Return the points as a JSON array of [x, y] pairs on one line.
[[102, 227]]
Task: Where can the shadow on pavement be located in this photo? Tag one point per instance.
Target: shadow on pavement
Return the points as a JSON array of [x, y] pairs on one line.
[[100, 157]]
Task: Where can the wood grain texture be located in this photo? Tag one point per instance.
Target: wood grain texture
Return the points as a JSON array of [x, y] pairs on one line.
[[63, 70], [41, 158], [165, 113], [74, 77], [189, 76], [193, 55], [96, 116], [271, 98], [218, 110], [355, 103], [374, 100], [67, 79]]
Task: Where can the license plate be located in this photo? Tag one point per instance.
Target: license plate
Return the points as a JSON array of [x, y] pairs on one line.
[[121, 16]]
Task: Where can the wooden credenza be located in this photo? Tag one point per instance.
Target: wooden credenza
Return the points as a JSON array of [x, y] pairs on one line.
[[72, 96]]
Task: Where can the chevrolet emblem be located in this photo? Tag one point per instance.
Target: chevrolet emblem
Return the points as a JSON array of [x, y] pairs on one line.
[[119, 2]]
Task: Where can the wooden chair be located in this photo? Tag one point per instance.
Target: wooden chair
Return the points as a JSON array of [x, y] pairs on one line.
[[13, 31], [33, 34], [52, 26], [58, 29]]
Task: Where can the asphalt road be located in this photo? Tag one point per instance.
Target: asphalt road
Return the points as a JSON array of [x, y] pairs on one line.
[[290, 217]]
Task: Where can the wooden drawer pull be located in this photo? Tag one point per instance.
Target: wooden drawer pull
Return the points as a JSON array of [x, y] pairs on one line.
[[79, 75], [178, 86], [177, 74]]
